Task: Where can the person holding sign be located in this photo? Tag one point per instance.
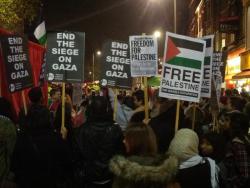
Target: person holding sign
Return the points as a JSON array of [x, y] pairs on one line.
[[139, 114]]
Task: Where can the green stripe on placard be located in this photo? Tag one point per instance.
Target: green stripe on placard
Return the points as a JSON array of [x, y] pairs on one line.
[[207, 60], [185, 62]]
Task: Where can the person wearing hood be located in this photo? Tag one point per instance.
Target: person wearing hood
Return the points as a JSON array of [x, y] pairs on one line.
[[142, 167], [41, 158], [7, 141], [99, 140], [194, 170], [163, 121]]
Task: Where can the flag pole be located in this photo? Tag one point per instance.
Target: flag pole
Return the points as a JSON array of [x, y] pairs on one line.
[[0, 84], [145, 79], [115, 105], [193, 118], [24, 103], [178, 104], [146, 98], [177, 115], [63, 128]]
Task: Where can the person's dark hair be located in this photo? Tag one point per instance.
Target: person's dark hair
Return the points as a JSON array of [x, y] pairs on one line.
[[228, 93], [53, 91], [5, 108], [239, 124], [219, 145], [99, 109], [129, 102], [139, 94], [35, 94], [237, 103], [235, 92], [141, 140]]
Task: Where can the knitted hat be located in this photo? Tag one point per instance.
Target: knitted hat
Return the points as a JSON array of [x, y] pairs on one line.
[[184, 144]]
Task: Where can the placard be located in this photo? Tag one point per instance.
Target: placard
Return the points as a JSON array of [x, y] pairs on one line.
[[65, 57], [207, 74], [16, 60], [116, 65], [183, 68], [143, 55]]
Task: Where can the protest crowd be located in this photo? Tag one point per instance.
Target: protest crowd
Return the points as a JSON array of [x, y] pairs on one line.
[[127, 152], [184, 133]]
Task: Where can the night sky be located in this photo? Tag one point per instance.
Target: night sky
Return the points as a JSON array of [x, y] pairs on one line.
[[113, 19]]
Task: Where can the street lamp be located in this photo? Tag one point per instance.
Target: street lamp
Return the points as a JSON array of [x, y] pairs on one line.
[[157, 34], [98, 53]]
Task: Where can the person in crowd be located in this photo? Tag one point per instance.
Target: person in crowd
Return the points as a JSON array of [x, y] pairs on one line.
[[228, 93], [80, 116], [99, 140], [163, 122], [55, 95], [41, 158], [37, 112], [237, 160], [7, 143], [125, 112], [142, 167], [124, 109], [246, 109], [199, 117], [213, 145], [236, 103], [223, 102], [194, 170], [139, 114]]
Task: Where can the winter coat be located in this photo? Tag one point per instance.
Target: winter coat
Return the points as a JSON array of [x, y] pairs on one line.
[[163, 126], [98, 142], [7, 144], [146, 172], [41, 159]]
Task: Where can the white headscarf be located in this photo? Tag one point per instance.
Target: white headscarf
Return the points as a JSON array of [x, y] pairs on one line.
[[184, 144]]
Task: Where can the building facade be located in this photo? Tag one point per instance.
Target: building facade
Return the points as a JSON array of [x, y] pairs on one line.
[[229, 21]]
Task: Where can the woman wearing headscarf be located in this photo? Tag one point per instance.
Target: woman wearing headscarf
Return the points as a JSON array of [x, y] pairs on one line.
[[7, 141], [194, 170]]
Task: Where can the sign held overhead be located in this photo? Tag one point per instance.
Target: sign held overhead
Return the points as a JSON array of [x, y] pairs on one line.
[[17, 65], [65, 57], [183, 68], [143, 55], [116, 65]]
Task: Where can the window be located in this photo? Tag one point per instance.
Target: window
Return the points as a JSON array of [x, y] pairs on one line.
[[248, 28]]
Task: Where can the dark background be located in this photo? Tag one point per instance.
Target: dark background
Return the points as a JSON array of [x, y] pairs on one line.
[[113, 19]]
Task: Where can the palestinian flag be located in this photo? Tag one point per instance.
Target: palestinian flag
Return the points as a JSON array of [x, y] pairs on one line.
[[184, 51], [40, 33]]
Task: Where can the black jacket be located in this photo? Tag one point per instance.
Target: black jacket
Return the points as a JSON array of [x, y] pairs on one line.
[[99, 141], [163, 126], [41, 159]]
